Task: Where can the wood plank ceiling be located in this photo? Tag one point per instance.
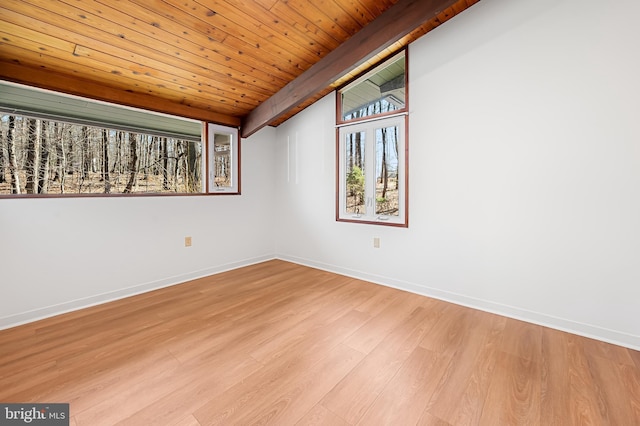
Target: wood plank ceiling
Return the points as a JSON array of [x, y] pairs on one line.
[[212, 60]]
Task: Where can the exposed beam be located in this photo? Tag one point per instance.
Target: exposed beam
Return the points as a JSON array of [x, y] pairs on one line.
[[64, 84], [398, 21]]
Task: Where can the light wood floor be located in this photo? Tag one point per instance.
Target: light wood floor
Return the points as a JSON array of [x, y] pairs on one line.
[[278, 343]]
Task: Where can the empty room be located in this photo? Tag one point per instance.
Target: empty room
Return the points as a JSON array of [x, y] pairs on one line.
[[335, 212]]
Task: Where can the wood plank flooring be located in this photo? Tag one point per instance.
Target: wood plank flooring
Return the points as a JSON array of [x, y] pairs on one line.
[[282, 344]]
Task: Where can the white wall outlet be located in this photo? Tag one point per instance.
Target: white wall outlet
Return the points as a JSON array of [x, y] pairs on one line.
[[376, 242]]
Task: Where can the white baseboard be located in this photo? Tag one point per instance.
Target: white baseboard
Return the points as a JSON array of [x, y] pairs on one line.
[[587, 330], [582, 329], [74, 305]]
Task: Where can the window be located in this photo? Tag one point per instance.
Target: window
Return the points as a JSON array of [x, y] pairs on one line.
[[371, 171], [223, 161], [56, 144], [379, 92], [372, 149]]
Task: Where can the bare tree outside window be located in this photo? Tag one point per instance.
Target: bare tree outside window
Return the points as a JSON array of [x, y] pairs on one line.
[[355, 172], [372, 117], [387, 171]]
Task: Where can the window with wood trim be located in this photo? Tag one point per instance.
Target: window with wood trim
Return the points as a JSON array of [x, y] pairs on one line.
[[372, 161], [223, 161], [45, 152], [378, 92]]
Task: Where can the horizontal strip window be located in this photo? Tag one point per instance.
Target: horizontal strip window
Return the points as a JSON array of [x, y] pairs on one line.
[[50, 158], [16, 99], [57, 145]]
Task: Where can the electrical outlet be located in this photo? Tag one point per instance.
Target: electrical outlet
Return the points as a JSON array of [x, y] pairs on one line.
[[376, 242], [187, 241]]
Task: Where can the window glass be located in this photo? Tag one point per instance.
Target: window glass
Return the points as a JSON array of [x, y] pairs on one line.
[[52, 157], [222, 160], [387, 201], [372, 119], [379, 92], [223, 163], [372, 167], [39, 156], [355, 172]]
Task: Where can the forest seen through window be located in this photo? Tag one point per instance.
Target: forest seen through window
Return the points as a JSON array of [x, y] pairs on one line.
[[50, 157]]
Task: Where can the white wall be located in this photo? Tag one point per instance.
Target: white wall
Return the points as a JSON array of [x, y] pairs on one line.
[[524, 170], [62, 254]]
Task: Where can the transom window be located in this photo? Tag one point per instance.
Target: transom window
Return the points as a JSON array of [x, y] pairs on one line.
[[380, 91]]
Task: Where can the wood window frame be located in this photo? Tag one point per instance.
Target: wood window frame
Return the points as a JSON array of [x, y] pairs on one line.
[[369, 217], [341, 123], [206, 189], [235, 188], [339, 108]]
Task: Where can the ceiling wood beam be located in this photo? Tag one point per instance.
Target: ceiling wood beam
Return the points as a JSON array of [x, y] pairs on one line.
[[398, 21], [65, 84]]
